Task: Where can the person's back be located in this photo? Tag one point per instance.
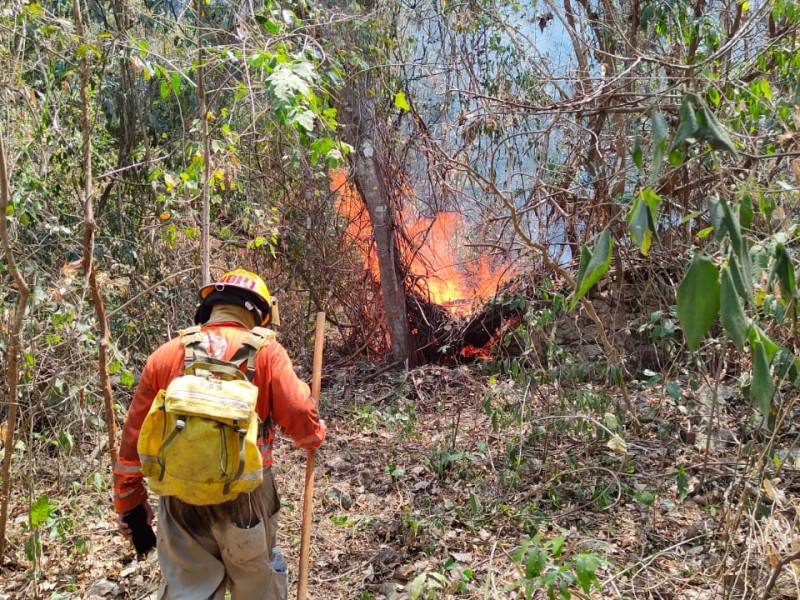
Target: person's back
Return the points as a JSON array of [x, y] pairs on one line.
[[204, 548]]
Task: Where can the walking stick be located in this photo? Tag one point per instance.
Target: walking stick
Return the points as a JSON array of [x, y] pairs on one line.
[[308, 493]]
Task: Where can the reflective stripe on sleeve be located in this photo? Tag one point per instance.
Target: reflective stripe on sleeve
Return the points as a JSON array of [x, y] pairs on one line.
[[130, 492], [131, 468]]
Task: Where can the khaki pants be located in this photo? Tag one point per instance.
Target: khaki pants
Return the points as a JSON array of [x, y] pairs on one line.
[[204, 549]]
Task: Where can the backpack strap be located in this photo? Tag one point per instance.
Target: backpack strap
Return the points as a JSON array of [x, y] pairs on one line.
[[235, 476], [248, 350], [191, 338]]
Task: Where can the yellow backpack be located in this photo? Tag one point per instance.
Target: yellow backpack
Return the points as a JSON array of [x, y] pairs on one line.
[[198, 442]]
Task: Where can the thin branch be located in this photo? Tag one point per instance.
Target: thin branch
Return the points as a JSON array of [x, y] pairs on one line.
[[789, 558], [90, 225], [205, 219]]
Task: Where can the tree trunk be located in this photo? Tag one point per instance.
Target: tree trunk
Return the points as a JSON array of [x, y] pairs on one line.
[[355, 115], [13, 347]]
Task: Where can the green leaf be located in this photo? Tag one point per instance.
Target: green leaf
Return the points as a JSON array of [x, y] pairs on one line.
[[742, 282], [289, 80], [319, 148], [704, 233], [401, 102], [556, 545], [682, 482], [675, 157], [639, 225], [126, 378], [698, 300], [41, 511], [713, 95], [697, 123], [303, 118], [417, 586], [65, 441], [636, 155], [744, 262], [713, 132], [740, 261], [688, 126], [762, 387], [783, 271], [660, 133], [643, 217], [691, 216], [732, 226], [746, 212], [164, 88], [535, 562], [717, 215], [33, 547], [586, 256], [175, 82], [598, 263], [757, 336], [765, 89], [732, 314], [586, 569], [610, 420], [268, 24]]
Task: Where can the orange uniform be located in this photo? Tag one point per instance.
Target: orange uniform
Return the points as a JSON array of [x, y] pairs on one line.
[[283, 399]]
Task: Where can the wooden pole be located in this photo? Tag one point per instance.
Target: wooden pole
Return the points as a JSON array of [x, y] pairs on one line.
[[308, 493]]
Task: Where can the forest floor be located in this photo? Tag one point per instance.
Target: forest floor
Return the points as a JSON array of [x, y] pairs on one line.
[[442, 483]]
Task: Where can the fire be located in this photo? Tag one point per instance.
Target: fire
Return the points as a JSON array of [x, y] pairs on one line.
[[454, 275], [359, 229]]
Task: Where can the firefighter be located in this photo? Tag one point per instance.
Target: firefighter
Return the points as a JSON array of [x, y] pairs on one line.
[[202, 550]]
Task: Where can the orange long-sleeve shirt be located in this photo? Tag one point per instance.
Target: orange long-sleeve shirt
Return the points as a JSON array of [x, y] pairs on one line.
[[282, 396]]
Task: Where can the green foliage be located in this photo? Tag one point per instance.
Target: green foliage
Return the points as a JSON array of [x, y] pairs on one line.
[[593, 266], [444, 460], [732, 315], [699, 124], [401, 102], [546, 567], [783, 273], [660, 135], [427, 586], [698, 300], [41, 510], [762, 387], [743, 306], [643, 218]]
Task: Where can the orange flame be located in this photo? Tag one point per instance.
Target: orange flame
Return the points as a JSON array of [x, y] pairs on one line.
[[455, 276]]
